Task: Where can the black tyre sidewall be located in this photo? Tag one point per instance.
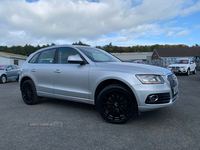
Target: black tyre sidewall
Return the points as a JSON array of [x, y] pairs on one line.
[[188, 72], [117, 88], [195, 71], [35, 99]]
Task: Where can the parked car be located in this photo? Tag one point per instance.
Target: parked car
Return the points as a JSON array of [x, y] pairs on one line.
[[130, 61], [197, 62], [84, 74], [8, 72], [183, 66], [139, 61]]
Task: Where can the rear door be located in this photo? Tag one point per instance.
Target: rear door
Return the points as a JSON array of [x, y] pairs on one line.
[[41, 69], [9, 72], [15, 71]]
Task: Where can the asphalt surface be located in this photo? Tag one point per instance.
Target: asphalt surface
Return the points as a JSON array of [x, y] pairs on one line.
[[59, 125]]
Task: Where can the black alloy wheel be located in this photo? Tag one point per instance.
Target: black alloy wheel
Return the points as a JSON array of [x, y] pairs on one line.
[[116, 105], [28, 92]]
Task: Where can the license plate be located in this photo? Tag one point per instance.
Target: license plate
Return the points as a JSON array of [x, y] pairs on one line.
[[175, 90], [175, 70]]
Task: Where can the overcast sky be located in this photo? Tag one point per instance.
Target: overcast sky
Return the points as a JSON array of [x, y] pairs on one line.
[[99, 22]]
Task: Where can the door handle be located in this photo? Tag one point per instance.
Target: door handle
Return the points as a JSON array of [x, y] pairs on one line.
[[57, 71], [33, 70]]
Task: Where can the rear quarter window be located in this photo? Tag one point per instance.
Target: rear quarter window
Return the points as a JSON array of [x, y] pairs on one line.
[[34, 58]]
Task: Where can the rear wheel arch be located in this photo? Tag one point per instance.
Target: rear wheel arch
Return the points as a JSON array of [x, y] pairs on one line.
[[24, 79], [29, 93]]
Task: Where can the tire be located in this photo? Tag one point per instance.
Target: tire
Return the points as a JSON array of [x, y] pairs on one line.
[[29, 94], [116, 104], [188, 72], [3, 79], [195, 71]]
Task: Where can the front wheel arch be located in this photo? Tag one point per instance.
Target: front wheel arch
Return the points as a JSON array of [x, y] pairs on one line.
[[188, 72], [195, 71], [108, 82]]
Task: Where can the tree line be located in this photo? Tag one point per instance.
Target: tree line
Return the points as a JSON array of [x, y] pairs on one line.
[[23, 50], [28, 49]]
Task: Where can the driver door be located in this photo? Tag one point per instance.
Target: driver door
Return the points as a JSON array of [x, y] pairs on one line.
[[71, 80]]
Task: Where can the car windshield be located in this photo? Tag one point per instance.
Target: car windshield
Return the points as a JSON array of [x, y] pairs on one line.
[[2, 67], [181, 62], [97, 55]]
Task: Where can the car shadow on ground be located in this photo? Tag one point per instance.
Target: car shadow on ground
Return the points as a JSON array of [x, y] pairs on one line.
[[151, 115], [184, 74], [67, 103], [10, 81], [92, 110]]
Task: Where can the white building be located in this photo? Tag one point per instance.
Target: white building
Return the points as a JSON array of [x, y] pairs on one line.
[[133, 56], [12, 59]]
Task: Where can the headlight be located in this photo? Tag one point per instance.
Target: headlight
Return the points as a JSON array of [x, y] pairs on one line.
[[150, 79], [169, 67], [182, 67]]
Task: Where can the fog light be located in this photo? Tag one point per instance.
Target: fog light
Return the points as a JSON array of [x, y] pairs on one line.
[[153, 98], [159, 98]]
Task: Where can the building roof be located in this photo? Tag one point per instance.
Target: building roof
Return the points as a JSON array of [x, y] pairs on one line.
[[10, 55], [178, 52]]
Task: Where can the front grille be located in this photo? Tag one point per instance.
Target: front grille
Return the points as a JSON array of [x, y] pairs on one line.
[[173, 82], [175, 68]]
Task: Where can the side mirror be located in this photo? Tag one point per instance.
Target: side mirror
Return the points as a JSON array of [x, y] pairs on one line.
[[74, 59], [8, 69]]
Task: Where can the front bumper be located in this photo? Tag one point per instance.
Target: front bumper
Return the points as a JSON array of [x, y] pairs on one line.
[[149, 107], [179, 70], [167, 94]]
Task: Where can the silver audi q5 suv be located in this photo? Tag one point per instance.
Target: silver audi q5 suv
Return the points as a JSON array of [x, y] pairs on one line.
[[84, 74]]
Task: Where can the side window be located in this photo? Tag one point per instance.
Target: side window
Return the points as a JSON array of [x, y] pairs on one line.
[[47, 57], [34, 58], [64, 53], [9, 68], [14, 67]]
